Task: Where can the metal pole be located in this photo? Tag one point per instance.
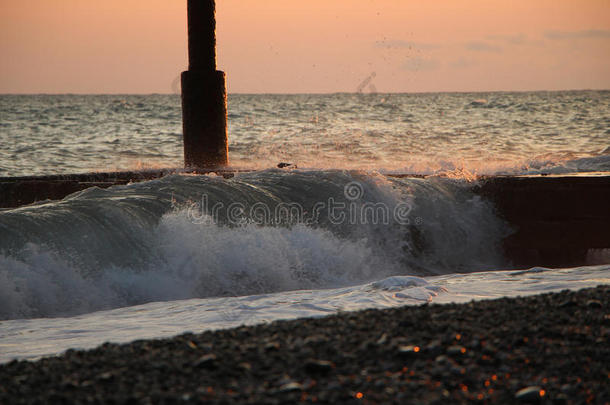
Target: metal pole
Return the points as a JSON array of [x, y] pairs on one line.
[[204, 93]]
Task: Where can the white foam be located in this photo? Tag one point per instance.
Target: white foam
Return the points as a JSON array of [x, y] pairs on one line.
[[30, 339], [192, 260]]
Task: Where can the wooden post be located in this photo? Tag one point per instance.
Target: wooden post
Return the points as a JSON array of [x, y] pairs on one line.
[[204, 93]]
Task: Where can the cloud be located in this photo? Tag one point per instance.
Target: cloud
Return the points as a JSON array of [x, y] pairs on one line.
[[584, 34], [462, 63], [479, 46], [421, 64], [518, 39], [400, 44]]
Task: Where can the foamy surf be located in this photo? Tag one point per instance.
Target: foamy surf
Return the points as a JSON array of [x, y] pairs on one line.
[[35, 338], [183, 237]]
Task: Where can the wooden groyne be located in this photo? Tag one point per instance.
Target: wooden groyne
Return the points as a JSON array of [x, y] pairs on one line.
[[19, 191], [556, 220]]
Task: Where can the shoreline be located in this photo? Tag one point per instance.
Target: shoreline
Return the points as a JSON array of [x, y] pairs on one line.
[[555, 346]]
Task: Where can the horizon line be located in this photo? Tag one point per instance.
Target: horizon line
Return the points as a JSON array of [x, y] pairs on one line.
[[313, 93]]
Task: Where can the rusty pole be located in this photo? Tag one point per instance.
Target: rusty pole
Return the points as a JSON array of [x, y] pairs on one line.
[[204, 93]]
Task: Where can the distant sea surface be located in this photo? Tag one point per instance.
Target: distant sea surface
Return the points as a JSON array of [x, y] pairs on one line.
[[412, 133], [198, 252]]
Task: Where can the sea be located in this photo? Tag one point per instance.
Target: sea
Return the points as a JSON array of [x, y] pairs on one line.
[[337, 226]]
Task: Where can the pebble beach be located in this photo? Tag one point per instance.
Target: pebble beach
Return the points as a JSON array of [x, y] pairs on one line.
[[548, 348]]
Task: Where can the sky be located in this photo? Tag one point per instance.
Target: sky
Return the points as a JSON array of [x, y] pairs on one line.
[[314, 46]]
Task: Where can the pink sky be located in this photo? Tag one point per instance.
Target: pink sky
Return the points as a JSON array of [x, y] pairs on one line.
[[315, 46]]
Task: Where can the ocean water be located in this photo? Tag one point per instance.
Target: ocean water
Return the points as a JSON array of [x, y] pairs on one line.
[[192, 253], [413, 133]]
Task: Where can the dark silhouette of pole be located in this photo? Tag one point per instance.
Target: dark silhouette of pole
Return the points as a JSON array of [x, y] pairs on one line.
[[204, 92]]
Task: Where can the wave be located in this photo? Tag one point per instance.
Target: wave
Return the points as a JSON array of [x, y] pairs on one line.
[[560, 164], [188, 236], [551, 163]]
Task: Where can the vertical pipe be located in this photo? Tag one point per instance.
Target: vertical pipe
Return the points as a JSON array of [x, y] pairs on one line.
[[202, 35], [204, 94]]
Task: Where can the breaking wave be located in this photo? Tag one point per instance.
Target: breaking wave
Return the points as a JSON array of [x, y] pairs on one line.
[[168, 239]]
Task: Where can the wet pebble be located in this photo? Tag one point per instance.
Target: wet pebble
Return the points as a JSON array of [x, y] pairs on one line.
[[529, 394]]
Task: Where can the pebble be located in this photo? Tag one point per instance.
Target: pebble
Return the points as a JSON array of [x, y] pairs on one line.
[[206, 361], [529, 394], [594, 304], [408, 350], [318, 366], [291, 386], [568, 303], [456, 350]]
